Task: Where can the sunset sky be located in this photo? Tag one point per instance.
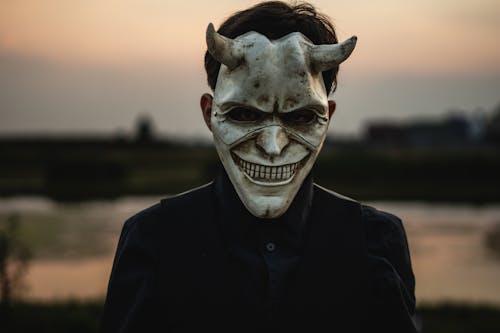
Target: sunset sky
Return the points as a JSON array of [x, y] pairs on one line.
[[94, 66]]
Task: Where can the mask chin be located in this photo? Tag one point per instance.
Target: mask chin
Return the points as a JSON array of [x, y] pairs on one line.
[[266, 187], [267, 206], [270, 199]]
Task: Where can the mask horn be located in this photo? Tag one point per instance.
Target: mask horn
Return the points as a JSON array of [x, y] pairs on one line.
[[327, 56], [223, 49]]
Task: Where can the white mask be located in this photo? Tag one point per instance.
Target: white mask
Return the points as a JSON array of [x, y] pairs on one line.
[[270, 113]]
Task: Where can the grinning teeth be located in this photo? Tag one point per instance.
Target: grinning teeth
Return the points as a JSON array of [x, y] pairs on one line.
[[262, 172]]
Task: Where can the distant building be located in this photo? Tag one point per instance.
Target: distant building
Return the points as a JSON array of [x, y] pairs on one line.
[[453, 131], [385, 133], [493, 127]]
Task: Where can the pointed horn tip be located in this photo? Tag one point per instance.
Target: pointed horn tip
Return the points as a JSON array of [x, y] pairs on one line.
[[210, 36], [210, 28]]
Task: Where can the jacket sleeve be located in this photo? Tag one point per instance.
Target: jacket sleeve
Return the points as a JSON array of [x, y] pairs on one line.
[[130, 304], [392, 281]]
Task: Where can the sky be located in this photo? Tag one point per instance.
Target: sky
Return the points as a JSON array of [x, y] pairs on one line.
[[96, 66]]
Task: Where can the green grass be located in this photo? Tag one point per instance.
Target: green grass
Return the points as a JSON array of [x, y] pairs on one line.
[[69, 171]]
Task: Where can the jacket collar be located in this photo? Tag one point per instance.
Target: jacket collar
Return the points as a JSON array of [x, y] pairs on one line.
[[236, 221]]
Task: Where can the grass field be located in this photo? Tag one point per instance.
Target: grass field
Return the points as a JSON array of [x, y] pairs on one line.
[[93, 169]]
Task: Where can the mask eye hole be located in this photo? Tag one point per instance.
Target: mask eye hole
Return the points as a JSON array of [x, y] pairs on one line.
[[299, 117], [241, 114]]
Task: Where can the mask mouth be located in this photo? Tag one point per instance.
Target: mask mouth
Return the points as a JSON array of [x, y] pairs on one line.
[[268, 175]]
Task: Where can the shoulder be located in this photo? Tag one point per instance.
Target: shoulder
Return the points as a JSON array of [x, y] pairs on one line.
[[392, 280], [388, 250], [199, 196], [374, 219], [380, 226], [332, 195], [386, 237], [335, 203], [384, 231], [386, 245], [167, 211], [377, 220]]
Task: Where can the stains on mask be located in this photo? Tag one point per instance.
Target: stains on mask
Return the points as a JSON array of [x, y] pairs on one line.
[[290, 103], [263, 99]]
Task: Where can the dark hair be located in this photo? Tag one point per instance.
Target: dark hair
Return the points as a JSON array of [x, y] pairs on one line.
[[275, 19]]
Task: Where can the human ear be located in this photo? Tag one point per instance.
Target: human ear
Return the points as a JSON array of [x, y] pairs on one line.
[[206, 109], [331, 108]]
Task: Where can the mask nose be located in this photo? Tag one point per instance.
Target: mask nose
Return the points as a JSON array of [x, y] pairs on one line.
[[272, 140]]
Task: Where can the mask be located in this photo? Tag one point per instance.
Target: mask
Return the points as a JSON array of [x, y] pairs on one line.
[[270, 113]]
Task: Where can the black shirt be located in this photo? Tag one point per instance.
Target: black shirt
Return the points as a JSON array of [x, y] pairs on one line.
[[198, 260], [267, 251]]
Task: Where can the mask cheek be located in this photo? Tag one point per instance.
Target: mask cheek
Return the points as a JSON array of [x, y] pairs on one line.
[[312, 136]]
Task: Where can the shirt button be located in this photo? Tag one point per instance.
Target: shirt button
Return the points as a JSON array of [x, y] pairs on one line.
[[270, 247]]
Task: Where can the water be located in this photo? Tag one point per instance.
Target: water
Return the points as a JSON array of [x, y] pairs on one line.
[[74, 246], [450, 258]]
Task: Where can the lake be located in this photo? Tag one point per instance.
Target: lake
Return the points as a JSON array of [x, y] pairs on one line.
[[73, 247]]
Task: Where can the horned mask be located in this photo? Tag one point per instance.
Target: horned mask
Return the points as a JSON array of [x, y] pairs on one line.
[[270, 113]]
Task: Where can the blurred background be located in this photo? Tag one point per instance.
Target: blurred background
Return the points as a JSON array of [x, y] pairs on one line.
[[99, 119]]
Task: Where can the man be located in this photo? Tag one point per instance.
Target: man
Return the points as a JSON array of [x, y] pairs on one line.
[[262, 248]]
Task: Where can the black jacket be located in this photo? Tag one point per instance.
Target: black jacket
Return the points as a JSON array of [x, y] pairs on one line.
[[172, 272]]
